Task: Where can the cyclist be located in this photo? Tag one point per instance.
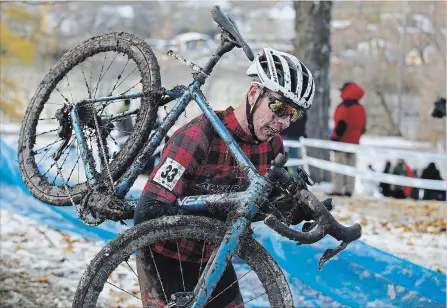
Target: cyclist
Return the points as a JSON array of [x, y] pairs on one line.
[[196, 161]]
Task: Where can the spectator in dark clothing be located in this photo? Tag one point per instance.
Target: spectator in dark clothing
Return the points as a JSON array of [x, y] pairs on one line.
[[439, 108], [296, 130], [385, 187], [432, 173], [349, 125]]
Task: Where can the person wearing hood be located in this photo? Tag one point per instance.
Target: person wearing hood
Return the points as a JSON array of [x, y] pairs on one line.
[[349, 125], [432, 173], [385, 188]]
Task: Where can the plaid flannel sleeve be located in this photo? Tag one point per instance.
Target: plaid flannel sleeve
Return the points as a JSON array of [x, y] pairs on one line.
[[187, 148]]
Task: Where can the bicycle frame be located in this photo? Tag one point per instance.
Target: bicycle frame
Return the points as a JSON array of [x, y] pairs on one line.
[[246, 202]]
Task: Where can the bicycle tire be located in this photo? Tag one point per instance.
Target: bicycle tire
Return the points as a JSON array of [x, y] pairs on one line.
[[193, 227], [147, 63]]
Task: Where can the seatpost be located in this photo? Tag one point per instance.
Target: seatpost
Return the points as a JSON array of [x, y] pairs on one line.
[[224, 47]]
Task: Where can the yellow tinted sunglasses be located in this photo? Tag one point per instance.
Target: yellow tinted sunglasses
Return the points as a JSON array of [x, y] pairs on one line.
[[283, 110]]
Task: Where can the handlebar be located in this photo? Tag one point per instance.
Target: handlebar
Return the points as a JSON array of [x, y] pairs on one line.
[[324, 223]]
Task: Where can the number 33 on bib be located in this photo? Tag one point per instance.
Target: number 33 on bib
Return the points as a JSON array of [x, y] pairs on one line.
[[169, 174]]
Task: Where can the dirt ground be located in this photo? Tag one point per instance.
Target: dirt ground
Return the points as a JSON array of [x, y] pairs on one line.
[[41, 267]]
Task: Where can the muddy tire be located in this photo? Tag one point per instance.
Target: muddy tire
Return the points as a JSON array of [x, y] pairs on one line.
[[146, 62], [177, 227]]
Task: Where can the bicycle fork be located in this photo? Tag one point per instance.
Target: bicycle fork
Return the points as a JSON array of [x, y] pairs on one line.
[[259, 189]]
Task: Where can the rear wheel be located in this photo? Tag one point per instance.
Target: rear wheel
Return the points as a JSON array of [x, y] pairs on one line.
[[110, 64], [260, 280]]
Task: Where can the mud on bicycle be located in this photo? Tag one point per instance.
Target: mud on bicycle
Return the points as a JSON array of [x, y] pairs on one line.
[[85, 168]]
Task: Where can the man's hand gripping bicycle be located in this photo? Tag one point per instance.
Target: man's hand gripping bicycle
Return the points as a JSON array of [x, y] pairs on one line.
[[306, 207]]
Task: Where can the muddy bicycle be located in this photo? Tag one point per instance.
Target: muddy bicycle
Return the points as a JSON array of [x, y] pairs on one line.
[[86, 137]]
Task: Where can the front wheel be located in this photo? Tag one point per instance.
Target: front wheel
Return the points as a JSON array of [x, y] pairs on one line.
[[260, 279]]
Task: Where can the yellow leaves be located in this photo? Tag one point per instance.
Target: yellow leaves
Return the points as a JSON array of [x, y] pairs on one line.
[[18, 247], [24, 275], [42, 279], [428, 226], [363, 222], [135, 291], [16, 49], [428, 209], [409, 243], [343, 218], [18, 34], [70, 242], [118, 296], [69, 248], [12, 109], [15, 12]]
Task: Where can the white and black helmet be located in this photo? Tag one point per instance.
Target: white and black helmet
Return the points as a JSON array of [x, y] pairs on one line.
[[285, 74]]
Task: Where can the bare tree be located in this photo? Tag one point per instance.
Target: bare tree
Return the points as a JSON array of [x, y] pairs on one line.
[[312, 45]]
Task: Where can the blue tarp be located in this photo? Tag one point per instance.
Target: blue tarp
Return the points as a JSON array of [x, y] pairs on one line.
[[360, 276]]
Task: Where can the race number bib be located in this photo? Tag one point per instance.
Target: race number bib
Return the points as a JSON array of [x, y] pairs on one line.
[[169, 174]]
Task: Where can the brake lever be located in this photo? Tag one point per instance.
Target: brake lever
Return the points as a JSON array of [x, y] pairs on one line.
[[330, 253], [305, 176]]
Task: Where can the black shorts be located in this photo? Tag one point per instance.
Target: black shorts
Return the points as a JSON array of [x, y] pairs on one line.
[[153, 291]]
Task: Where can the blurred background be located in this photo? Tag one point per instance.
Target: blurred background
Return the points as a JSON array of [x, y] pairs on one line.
[[395, 50]]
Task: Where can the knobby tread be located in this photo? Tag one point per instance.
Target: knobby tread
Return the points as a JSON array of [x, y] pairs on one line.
[[176, 227]]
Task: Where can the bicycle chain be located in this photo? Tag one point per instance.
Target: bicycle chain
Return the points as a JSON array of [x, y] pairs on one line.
[[87, 218], [90, 221]]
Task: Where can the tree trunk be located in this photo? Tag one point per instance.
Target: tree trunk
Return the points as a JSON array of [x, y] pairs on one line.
[[312, 46]]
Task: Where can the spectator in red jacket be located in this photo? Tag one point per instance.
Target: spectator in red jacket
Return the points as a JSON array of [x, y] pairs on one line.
[[349, 125]]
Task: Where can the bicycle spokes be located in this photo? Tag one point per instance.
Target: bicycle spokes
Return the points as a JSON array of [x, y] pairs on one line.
[[105, 126], [122, 285]]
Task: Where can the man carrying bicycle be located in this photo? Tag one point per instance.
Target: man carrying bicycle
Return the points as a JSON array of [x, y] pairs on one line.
[[196, 161]]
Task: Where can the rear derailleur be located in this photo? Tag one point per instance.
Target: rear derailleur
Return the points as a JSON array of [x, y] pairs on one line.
[[65, 128], [86, 114]]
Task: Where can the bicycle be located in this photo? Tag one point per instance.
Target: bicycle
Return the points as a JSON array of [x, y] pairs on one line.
[[103, 195]]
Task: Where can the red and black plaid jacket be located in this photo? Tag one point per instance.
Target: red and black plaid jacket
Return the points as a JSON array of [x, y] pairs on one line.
[[209, 168]]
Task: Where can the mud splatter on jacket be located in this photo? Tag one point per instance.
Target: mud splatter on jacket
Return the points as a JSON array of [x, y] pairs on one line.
[[206, 166]]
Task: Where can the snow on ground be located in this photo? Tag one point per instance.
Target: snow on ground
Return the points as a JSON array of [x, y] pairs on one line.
[[55, 258], [411, 230]]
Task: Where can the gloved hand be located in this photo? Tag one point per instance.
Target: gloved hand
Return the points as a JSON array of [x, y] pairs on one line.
[[301, 212]]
